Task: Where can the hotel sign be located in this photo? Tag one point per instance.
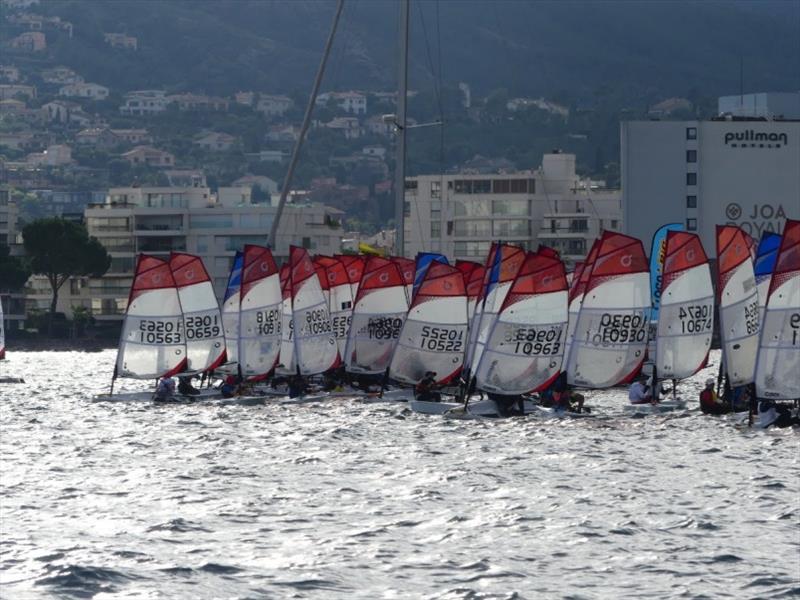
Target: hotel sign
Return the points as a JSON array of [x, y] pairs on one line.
[[758, 219], [749, 138]]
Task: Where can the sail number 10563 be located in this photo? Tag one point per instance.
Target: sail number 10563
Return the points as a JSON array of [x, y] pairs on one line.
[[160, 332]]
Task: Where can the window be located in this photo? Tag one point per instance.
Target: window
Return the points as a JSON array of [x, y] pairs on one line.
[[531, 186], [306, 243], [463, 186], [472, 207], [211, 221], [411, 184], [691, 224], [691, 156], [436, 209], [482, 186], [436, 189], [473, 228], [510, 207], [519, 186], [512, 228], [614, 223], [691, 179], [579, 225], [691, 201], [501, 186], [691, 133], [473, 249], [436, 229], [406, 208]]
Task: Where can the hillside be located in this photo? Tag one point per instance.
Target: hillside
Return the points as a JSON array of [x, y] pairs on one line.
[[647, 49]]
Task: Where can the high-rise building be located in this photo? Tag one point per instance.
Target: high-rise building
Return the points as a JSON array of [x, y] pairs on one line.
[[461, 214]]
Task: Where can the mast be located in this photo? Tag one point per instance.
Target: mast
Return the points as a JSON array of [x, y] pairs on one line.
[[400, 123], [287, 181]]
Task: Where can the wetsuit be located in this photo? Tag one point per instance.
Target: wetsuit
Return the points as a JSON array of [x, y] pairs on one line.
[[165, 389], [185, 387], [425, 390], [710, 404]]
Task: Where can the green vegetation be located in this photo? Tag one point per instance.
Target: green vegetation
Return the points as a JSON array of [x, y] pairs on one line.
[[60, 249], [13, 271]]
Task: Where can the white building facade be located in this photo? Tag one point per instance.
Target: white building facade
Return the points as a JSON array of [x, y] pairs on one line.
[[192, 219], [460, 215], [708, 173]]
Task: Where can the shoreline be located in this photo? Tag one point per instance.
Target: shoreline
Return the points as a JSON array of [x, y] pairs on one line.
[[57, 345]]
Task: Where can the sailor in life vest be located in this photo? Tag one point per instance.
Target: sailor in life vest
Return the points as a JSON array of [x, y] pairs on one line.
[[639, 393], [710, 404], [165, 388], [426, 388]]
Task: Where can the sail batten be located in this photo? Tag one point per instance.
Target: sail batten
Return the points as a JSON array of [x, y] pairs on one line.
[[259, 313]]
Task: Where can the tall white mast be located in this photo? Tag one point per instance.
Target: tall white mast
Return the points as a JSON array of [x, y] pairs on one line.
[[400, 123]]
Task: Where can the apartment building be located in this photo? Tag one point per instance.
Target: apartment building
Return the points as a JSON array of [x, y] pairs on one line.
[[461, 214], [158, 220], [144, 102], [13, 303]]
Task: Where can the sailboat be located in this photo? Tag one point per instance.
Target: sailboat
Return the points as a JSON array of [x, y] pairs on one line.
[[286, 365], [766, 255], [777, 373], [577, 288], [434, 334], [378, 314], [738, 306], [340, 297], [260, 319], [610, 338], [686, 323], [230, 310]]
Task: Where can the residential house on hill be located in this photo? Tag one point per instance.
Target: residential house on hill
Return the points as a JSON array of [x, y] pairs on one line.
[[273, 106], [198, 102], [273, 156], [133, 136], [12, 90], [374, 150], [61, 76], [377, 126], [17, 140], [216, 141], [12, 107], [352, 102], [101, 138], [121, 40], [347, 126], [58, 111], [92, 91], [30, 41], [144, 102], [149, 156], [186, 178], [283, 133], [56, 155], [265, 183], [9, 73]]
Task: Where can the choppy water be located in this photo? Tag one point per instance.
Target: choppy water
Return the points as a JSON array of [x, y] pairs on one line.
[[346, 499]]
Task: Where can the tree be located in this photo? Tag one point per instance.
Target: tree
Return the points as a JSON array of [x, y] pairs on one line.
[[13, 273], [60, 249]]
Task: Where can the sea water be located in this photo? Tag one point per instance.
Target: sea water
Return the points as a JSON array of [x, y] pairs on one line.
[[345, 499]]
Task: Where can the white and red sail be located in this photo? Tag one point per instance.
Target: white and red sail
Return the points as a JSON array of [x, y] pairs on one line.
[[738, 305], [686, 314], [286, 360], [778, 367], [152, 343], [340, 297], [610, 339], [259, 313], [525, 349], [502, 265], [202, 320], [315, 345], [230, 309], [408, 268], [434, 334], [473, 280], [378, 314], [354, 265], [577, 287]]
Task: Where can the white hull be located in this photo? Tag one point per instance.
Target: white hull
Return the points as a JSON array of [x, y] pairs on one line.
[[654, 409]]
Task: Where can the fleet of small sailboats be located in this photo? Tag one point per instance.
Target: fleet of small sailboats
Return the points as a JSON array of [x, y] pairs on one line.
[[508, 328]]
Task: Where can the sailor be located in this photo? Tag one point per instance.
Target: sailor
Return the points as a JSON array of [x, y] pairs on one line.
[[331, 382], [229, 386], [639, 393], [297, 386], [185, 386], [425, 390], [710, 404], [509, 406], [771, 414], [165, 389]]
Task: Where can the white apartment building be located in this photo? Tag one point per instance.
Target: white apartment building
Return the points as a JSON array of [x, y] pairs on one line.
[[352, 102], [214, 226], [144, 102], [708, 173], [461, 214], [93, 91]]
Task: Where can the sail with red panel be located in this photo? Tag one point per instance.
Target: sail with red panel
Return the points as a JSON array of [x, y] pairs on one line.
[[152, 343], [580, 280], [686, 307], [259, 313], [408, 268], [434, 334], [473, 279], [502, 265], [610, 339], [738, 305], [314, 342], [340, 298], [778, 366], [286, 362], [525, 349], [378, 315], [202, 320], [354, 265]]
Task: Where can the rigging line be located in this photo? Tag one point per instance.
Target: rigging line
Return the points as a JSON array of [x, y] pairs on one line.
[[442, 190], [436, 90], [341, 50]]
